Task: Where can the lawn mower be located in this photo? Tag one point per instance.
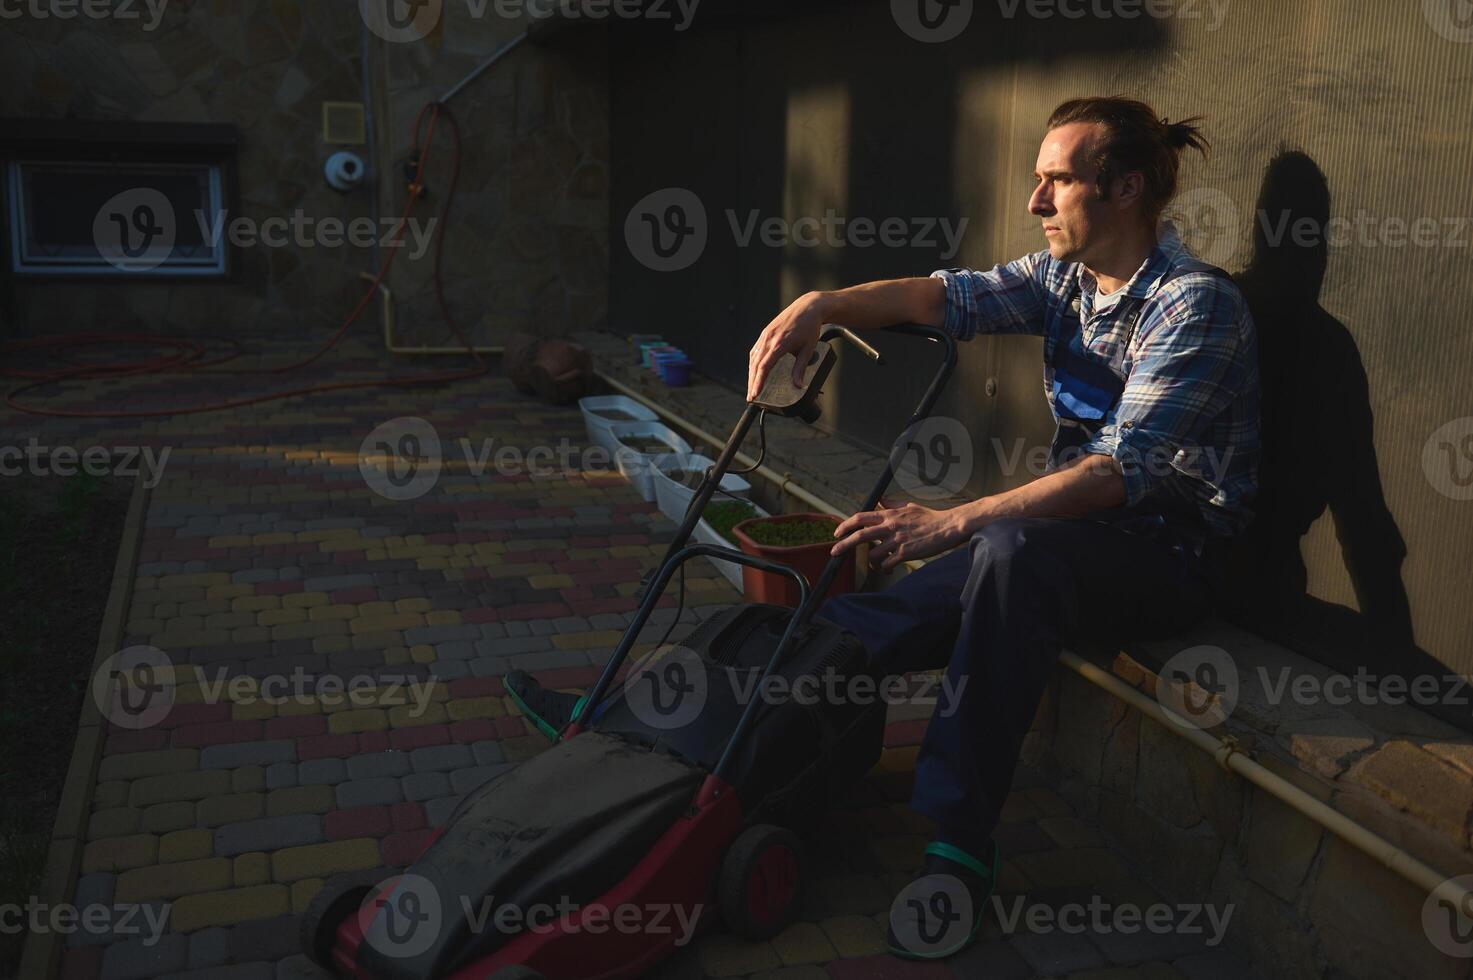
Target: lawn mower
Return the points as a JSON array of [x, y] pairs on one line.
[[675, 790]]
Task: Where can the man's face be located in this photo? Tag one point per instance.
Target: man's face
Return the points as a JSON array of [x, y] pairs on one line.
[[1078, 224]]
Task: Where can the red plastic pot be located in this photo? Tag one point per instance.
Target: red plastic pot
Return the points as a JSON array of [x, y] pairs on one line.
[[808, 559]]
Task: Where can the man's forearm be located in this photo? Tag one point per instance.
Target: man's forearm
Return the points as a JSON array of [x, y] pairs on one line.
[[872, 305], [1088, 484]]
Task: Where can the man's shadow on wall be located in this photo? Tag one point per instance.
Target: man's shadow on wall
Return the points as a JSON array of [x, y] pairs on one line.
[[1319, 452]]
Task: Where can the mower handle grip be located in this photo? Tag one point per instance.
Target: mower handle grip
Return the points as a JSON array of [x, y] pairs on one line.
[[832, 330]]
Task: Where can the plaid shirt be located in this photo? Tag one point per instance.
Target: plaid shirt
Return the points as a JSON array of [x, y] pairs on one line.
[[1186, 428]]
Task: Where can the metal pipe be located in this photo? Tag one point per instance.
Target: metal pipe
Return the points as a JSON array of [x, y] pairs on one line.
[[455, 90], [1226, 751], [485, 66]]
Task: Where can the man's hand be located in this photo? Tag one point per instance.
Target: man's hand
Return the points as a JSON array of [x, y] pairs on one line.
[[870, 305], [793, 331], [901, 534]]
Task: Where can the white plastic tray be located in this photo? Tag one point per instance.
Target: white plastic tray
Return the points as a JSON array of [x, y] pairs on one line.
[[636, 466], [598, 425], [674, 497], [706, 534]]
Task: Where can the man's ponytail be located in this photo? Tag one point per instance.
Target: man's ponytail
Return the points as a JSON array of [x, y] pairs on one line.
[[1138, 140], [1182, 134]]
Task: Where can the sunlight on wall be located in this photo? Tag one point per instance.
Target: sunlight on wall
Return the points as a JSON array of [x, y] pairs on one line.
[[815, 187]]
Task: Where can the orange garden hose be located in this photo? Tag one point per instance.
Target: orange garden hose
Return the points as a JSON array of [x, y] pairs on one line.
[[185, 355]]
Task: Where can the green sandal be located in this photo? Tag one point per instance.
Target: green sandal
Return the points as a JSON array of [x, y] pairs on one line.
[[927, 917], [549, 711]]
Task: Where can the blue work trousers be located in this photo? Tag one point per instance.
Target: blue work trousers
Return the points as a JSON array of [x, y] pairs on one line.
[[996, 613]]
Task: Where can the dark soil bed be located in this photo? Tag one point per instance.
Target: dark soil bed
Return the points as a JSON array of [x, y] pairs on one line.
[[59, 541]]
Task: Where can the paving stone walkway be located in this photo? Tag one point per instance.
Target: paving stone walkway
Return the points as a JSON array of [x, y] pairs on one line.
[[267, 562]]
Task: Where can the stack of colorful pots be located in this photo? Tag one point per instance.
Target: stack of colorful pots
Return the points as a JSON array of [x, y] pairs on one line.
[[666, 360]]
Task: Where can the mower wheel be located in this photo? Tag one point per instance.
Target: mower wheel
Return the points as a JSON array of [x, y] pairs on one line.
[[516, 973], [760, 887], [339, 898]]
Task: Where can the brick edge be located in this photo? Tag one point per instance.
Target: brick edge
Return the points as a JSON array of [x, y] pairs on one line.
[[41, 953]]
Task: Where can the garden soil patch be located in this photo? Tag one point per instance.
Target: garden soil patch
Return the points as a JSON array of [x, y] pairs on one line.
[[59, 540]]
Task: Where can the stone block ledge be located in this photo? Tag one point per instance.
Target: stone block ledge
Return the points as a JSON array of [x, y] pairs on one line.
[[1401, 772]]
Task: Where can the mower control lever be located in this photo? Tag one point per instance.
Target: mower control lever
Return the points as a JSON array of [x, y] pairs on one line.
[[834, 330]]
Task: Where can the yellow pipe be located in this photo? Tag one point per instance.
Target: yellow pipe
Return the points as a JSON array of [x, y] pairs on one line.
[[1227, 751], [389, 329]]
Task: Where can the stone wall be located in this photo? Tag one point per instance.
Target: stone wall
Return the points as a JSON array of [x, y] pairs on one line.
[[525, 241], [1304, 903]]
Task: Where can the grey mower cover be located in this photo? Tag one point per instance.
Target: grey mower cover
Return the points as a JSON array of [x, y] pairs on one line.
[[564, 826]]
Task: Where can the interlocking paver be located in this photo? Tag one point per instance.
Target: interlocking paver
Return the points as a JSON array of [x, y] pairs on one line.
[[137, 959], [368, 792], [267, 834], [185, 845], [223, 908], [259, 970], [208, 947], [114, 822], [379, 764], [173, 880], [325, 771], [216, 811], [422, 786], [321, 860], [251, 869], [442, 758], [120, 853], [264, 939], [299, 799], [135, 765]]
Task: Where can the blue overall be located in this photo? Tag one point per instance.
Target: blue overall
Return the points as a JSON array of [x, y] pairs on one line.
[[996, 612]]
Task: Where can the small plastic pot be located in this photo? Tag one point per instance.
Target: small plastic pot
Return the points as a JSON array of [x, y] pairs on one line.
[[645, 346], [674, 369], [807, 559], [637, 342], [650, 352]]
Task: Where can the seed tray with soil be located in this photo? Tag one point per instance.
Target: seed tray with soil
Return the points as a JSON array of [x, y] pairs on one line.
[[614, 414], [686, 478], [723, 515], [648, 447]]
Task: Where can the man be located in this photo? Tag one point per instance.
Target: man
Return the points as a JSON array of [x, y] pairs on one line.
[[1150, 368]]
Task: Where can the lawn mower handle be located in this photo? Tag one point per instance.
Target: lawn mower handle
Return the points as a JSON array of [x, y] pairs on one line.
[[714, 474], [809, 597], [809, 606], [652, 595]]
